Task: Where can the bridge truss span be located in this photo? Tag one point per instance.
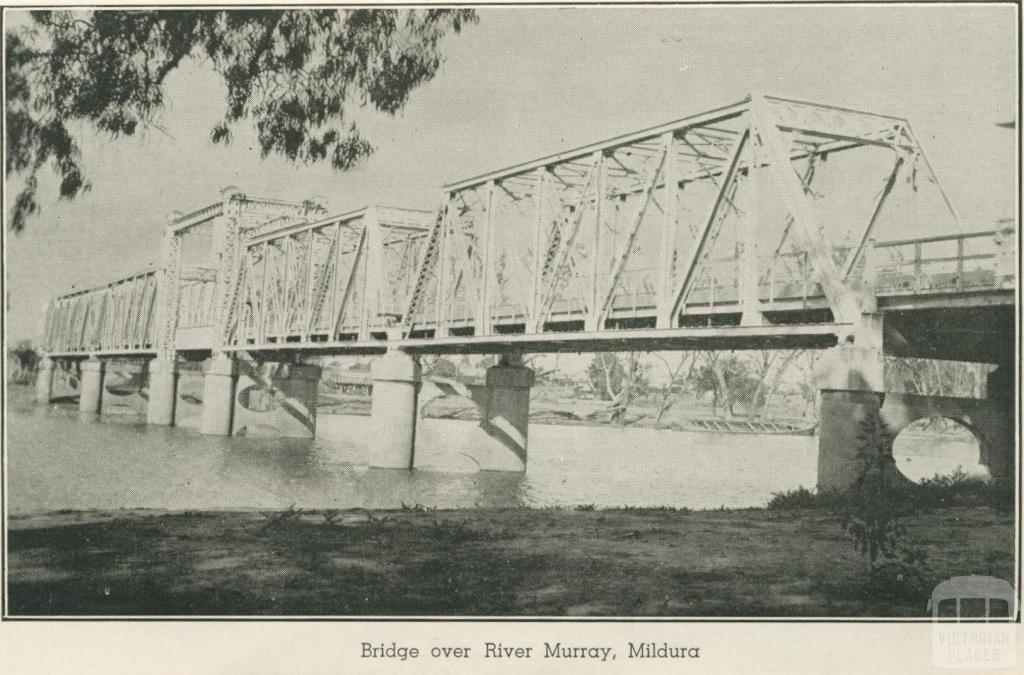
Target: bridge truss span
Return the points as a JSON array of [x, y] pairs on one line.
[[770, 212]]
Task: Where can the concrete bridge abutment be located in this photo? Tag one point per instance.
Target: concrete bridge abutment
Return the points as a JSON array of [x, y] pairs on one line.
[[855, 407]]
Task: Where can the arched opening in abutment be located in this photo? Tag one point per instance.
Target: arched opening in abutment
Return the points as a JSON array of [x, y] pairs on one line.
[[938, 446]]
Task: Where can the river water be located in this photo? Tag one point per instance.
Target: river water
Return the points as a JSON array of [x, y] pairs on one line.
[[56, 461]]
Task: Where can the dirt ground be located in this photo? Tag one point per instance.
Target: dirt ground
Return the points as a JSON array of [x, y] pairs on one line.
[[513, 562]]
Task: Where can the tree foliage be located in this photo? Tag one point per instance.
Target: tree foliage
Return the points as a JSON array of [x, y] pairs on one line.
[[728, 378], [295, 74], [612, 375]]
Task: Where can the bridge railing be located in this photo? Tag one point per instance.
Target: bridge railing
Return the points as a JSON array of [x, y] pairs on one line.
[[951, 263], [955, 263]]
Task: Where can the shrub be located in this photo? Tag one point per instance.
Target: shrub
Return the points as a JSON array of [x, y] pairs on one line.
[[802, 499]]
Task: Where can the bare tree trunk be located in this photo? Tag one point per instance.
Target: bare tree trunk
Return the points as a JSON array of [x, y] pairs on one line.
[[727, 402], [767, 359], [776, 378], [668, 397]]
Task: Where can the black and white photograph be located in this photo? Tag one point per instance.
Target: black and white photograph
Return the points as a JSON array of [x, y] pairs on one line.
[[682, 312]]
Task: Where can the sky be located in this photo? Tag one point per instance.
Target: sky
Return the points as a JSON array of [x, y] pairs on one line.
[[529, 82]]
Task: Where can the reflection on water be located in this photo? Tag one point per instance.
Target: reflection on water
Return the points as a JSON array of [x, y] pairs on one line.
[[58, 461]]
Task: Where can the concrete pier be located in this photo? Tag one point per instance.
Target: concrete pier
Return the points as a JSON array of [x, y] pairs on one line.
[[163, 385], [90, 393], [44, 380], [999, 422], [506, 418], [218, 395], [396, 385]]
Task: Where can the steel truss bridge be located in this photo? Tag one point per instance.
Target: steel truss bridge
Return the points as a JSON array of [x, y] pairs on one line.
[[767, 223]]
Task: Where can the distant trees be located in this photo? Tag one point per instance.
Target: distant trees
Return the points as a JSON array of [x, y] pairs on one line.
[[24, 361], [728, 378], [618, 379], [930, 377], [679, 369], [741, 383]]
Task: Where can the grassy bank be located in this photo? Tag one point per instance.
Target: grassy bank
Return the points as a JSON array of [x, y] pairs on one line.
[[572, 562]]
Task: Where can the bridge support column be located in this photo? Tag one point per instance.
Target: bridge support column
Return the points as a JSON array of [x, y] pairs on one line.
[[90, 392], [218, 395], [851, 384], [163, 386], [396, 386], [44, 380], [1000, 411], [507, 417]]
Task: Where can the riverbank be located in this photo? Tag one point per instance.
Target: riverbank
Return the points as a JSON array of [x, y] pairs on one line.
[[469, 562]]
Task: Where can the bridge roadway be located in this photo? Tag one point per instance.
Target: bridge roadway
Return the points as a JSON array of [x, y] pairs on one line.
[[767, 224]]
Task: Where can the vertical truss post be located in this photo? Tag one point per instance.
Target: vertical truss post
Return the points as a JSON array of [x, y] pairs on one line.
[[282, 310], [335, 275], [749, 241], [227, 241], [134, 310], [538, 255], [370, 261], [115, 332], [167, 292], [150, 313], [307, 316], [788, 183], [260, 324], [140, 318], [104, 332], [668, 232], [374, 255], [592, 322], [131, 288], [441, 297], [487, 244]]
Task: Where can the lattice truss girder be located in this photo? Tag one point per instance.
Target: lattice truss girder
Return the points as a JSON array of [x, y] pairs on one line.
[[339, 278], [118, 316], [756, 207], [751, 206]]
